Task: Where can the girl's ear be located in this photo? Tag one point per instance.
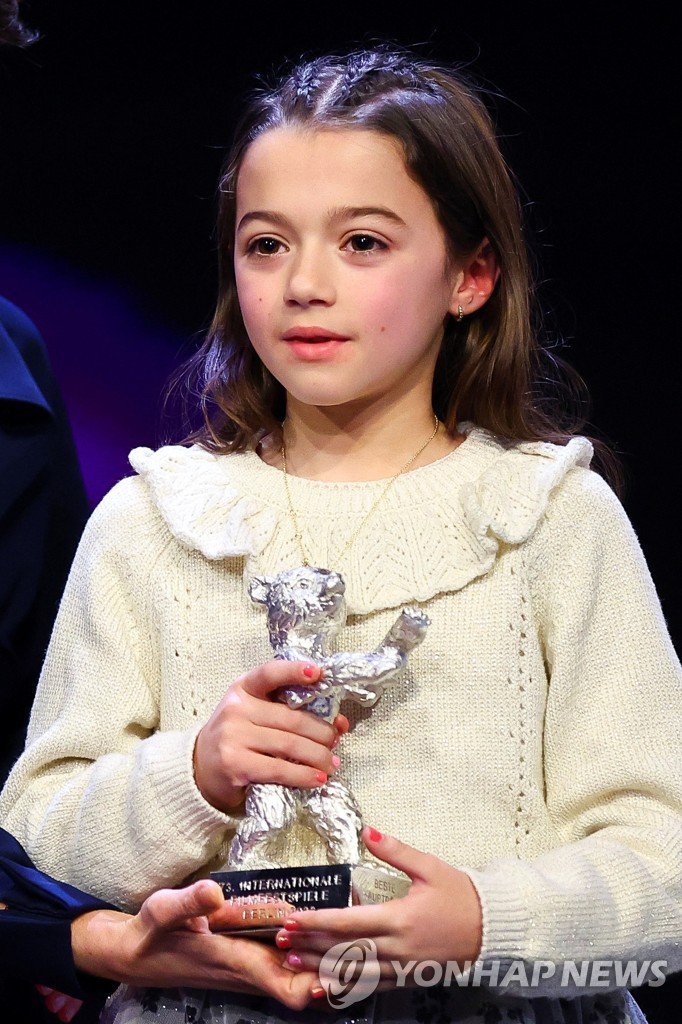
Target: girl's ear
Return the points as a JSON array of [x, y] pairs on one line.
[[476, 280]]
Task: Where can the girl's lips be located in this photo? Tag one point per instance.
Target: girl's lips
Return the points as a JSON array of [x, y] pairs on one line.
[[312, 333], [315, 350]]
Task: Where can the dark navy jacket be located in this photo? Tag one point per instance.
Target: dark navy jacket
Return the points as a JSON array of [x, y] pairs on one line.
[[35, 926], [43, 509]]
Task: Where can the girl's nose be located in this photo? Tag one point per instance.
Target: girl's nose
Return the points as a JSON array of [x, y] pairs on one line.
[[309, 279]]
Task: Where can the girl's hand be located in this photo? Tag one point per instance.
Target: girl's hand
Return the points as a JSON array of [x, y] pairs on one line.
[[169, 944], [249, 738], [439, 919]]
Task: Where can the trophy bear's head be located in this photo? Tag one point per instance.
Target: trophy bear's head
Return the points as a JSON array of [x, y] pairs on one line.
[[306, 599]]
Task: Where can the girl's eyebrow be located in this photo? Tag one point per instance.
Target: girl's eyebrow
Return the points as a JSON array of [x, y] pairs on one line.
[[337, 213]]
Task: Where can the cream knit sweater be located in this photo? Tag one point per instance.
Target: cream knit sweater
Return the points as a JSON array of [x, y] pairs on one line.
[[534, 740]]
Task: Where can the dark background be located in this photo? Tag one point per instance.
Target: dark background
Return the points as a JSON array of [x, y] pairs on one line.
[[112, 130]]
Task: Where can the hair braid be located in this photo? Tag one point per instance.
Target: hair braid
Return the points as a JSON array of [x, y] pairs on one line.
[[306, 80], [357, 69], [396, 71]]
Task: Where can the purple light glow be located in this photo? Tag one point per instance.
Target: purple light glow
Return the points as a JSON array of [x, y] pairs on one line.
[[110, 358]]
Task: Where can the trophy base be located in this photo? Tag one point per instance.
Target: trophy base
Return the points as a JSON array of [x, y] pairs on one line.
[[314, 887]]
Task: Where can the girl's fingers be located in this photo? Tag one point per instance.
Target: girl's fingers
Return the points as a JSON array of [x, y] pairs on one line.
[[342, 724], [264, 679], [275, 743], [301, 960], [312, 942], [414, 863], [260, 768], [349, 922], [274, 715], [319, 943]]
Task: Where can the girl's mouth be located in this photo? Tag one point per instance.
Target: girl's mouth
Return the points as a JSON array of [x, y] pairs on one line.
[[315, 348]]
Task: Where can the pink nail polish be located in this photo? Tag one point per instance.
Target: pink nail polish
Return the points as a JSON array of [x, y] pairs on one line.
[[294, 959], [321, 777], [336, 760], [309, 671]]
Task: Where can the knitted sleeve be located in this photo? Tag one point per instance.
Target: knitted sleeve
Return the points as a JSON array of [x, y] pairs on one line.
[[612, 890], [100, 798]]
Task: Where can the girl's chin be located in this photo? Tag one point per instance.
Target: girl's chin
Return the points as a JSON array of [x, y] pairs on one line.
[[321, 398], [323, 389]]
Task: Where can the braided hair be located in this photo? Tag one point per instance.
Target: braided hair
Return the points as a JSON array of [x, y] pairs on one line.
[[305, 81], [362, 73]]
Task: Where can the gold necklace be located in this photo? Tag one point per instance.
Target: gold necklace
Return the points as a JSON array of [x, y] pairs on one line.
[[297, 530]]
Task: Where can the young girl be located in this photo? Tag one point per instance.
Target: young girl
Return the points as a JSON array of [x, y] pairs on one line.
[[371, 388]]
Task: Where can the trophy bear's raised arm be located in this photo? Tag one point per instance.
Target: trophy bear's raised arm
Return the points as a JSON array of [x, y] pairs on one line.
[[306, 607]]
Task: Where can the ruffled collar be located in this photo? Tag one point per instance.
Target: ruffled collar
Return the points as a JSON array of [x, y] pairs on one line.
[[434, 530]]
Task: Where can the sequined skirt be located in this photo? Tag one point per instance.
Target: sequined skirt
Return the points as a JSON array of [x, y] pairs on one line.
[[438, 1005]]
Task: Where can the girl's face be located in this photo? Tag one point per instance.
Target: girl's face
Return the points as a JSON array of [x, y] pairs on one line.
[[332, 233]]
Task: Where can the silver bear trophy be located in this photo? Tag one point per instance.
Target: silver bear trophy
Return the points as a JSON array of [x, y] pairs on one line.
[[305, 609]]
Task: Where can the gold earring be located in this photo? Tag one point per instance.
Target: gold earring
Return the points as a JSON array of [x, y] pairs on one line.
[[460, 314]]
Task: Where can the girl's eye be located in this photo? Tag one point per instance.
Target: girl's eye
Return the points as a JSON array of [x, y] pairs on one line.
[[365, 241], [269, 242]]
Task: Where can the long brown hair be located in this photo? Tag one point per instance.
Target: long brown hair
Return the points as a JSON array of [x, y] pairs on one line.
[[492, 367]]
